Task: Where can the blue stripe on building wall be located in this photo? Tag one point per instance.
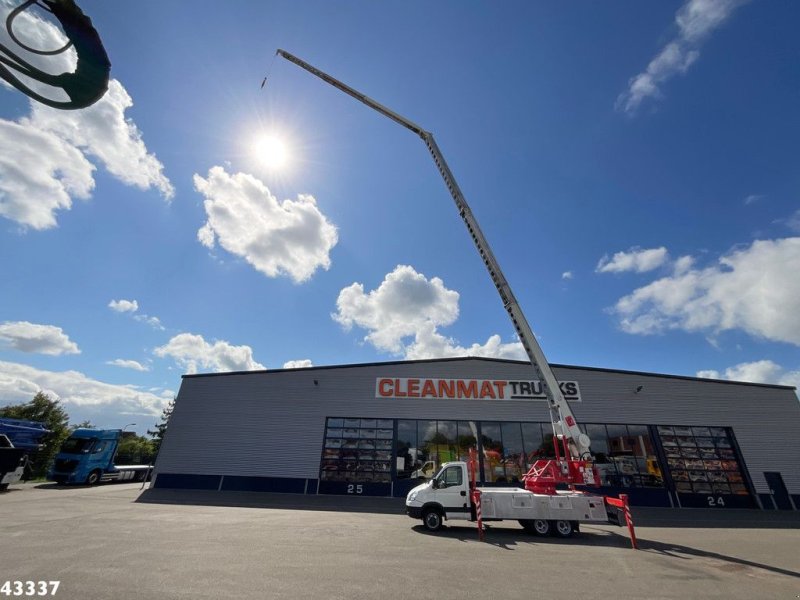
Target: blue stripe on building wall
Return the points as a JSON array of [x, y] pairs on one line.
[[182, 481]]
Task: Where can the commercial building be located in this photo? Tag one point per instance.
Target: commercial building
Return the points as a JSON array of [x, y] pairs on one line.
[[375, 429]]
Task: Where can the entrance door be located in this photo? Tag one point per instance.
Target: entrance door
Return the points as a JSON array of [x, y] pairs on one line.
[[780, 495]]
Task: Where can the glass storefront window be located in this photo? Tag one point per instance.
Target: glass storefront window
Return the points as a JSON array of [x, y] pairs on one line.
[[427, 464], [467, 439], [650, 474], [532, 441], [406, 454], [492, 449], [513, 453], [446, 442]]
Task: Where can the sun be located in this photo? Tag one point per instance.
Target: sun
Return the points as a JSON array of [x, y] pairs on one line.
[[271, 151]]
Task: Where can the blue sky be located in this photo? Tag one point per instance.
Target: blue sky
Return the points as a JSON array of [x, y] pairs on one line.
[[633, 165]]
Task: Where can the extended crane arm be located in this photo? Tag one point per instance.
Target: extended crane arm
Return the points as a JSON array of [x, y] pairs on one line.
[[561, 414]]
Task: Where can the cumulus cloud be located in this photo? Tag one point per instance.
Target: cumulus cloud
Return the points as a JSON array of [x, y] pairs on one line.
[[408, 305], [695, 20], [20, 382], [635, 259], [191, 351], [429, 343], [291, 237], [44, 157], [40, 339], [128, 364], [298, 364], [755, 289], [567, 275], [760, 371], [39, 174], [124, 305], [103, 132], [404, 302]]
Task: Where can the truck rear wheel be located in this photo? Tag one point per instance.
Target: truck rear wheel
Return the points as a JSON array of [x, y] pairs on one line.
[[93, 478], [536, 526], [432, 519], [563, 529]]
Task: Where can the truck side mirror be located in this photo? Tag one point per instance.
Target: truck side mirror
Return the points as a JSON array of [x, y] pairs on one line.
[[435, 484]]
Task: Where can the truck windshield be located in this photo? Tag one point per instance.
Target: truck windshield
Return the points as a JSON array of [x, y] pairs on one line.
[[77, 445]]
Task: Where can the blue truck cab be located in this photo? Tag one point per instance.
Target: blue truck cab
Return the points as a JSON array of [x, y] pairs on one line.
[[87, 457]]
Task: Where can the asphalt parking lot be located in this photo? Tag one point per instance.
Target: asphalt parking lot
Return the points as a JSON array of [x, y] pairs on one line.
[[108, 542]]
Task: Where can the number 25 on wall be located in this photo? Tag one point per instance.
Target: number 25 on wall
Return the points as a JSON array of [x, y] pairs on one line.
[[354, 489]]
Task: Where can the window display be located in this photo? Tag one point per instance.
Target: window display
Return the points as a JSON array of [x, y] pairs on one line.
[[706, 462], [351, 450]]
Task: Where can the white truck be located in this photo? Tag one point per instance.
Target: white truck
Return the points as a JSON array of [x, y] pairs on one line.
[[543, 505], [448, 496]]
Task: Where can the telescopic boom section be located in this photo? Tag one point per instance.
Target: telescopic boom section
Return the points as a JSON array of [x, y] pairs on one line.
[[561, 414]]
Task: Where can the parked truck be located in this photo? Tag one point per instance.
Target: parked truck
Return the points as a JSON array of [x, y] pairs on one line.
[[18, 438], [87, 457], [449, 495], [551, 498]]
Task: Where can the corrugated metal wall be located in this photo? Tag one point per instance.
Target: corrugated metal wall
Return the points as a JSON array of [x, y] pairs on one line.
[[271, 423]]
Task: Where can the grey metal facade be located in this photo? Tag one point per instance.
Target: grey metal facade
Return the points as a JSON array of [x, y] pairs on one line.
[[272, 423]]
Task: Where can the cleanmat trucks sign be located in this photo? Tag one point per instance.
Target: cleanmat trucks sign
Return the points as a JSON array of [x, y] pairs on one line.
[[469, 389]]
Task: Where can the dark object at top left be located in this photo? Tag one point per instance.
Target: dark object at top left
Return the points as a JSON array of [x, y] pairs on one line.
[[84, 86]]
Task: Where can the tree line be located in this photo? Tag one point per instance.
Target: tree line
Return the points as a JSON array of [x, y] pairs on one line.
[[132, 449]]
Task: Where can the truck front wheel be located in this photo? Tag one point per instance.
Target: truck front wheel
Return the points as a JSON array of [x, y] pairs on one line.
[[93, 478], [432, 519]]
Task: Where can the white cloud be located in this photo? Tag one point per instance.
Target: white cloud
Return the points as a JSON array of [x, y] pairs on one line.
[[154, 322], [760, 371], [191, 351], [128, 364], [41, 339], [696, 19], [124, 305], [298, 364], [291, 237], [39, 175], [428, 343], [408, 305], [566, 275], [43, 157], [682, 265], [635, 259], [402, 305], [20, 382], [131, 306], [755, 289], [103, 131]]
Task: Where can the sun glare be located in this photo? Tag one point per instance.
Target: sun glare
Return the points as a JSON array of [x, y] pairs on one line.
[[271, 152]]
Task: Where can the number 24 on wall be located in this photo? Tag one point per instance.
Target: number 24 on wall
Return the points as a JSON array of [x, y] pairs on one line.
[[354, 489], [720, 501]]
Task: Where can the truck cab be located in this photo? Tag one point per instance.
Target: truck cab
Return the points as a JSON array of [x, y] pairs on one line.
[[445, 495], [85, 456]]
